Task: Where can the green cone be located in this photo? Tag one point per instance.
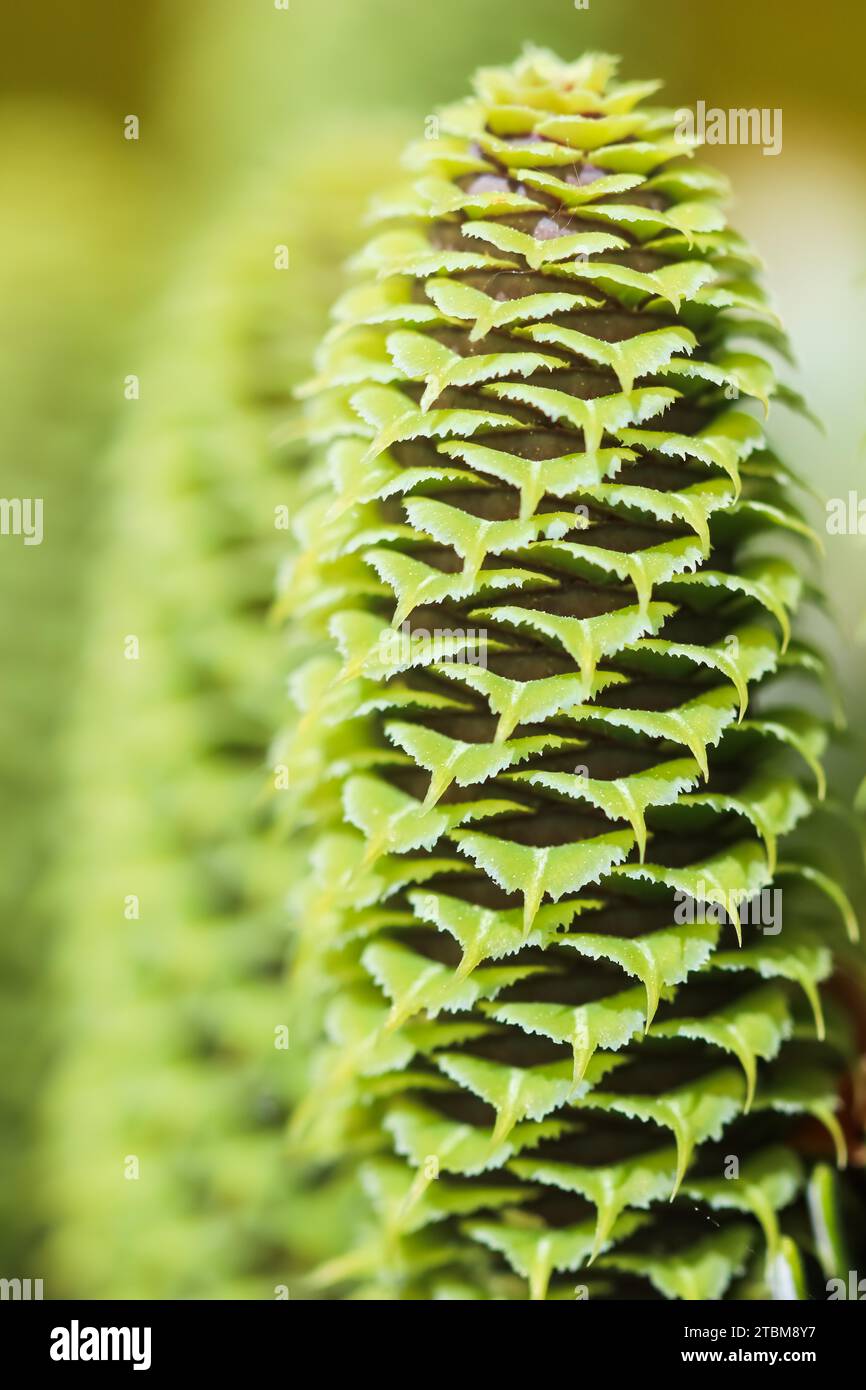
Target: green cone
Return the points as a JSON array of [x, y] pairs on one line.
[[165, 1173], [547, 578]]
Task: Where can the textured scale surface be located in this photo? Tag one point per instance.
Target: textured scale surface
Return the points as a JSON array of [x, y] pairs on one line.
[[543, 600]]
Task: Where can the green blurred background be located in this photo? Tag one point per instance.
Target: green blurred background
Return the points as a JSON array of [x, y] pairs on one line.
[[99, 232]]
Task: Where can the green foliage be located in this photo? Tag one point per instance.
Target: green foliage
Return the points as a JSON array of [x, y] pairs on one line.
[[541, 438], [57, 413], [175, 946]]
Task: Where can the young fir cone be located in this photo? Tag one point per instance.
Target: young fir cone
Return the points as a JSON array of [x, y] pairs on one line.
[[165, 1170], [55, 417], [541, 734]]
